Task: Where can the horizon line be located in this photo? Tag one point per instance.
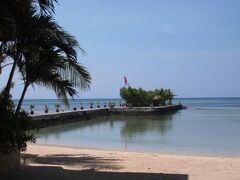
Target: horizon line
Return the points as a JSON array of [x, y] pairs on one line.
[[121, 98]]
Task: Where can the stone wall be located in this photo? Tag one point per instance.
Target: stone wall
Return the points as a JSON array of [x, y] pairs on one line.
[[52, 119], [145, 111]]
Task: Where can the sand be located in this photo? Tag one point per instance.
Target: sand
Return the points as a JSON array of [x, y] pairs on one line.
[[55, 162]]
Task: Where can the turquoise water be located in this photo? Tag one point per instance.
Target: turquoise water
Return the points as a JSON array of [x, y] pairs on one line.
[[207, 127]]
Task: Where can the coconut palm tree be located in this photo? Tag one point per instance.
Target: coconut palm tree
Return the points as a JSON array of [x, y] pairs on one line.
[[14, 18], [12, 11], [169, 95], [44, 54], [48, 68], [48, 39], [29, 36]]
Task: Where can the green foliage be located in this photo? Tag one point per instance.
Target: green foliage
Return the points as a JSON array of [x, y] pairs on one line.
[[139, 97], [136, 97], [111, 104], [57, 106], [14, 129], [44, 53], [32, 107]]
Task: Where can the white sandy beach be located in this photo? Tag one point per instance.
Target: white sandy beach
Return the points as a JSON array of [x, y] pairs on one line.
[[54, 162]]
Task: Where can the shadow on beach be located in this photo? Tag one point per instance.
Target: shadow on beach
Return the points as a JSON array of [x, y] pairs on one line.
[[49, 168]]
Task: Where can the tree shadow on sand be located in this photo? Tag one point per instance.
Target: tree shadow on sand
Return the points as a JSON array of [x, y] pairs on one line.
[[93, 168], [83, 161]]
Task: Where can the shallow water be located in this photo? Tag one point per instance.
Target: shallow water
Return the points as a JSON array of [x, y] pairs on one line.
[[205, 131]]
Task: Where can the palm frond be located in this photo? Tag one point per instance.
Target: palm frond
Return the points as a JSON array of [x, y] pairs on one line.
[[62, 88], [76, 74], [45, 6]]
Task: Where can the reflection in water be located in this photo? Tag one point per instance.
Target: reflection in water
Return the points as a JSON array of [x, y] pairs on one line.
[[131, 127], [57, 131], [138, 126], [188, 131]]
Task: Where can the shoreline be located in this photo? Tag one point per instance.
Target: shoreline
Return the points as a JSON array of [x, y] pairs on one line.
[[124, 164], [139, 151], [128, 151]]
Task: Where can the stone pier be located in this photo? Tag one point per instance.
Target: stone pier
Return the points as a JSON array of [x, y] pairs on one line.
[[52, 119]]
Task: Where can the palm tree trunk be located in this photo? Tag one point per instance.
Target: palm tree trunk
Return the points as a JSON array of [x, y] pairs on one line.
[[21, 99], [8, 87]]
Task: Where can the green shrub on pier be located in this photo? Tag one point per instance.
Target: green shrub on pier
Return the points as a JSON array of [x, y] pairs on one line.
[[140, 97]]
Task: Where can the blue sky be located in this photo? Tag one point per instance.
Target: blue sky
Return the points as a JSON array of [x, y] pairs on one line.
[[190, 46]]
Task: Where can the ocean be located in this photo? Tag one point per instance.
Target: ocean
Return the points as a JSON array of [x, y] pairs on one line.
[[209, 126], [207, 103]]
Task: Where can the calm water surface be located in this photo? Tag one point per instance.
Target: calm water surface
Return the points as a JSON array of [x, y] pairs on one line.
[[209, 130]]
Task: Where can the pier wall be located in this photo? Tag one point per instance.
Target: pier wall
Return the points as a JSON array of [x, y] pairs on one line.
[[53, 119]]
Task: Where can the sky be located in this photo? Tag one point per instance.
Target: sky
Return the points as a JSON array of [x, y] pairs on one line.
[[189, 46]]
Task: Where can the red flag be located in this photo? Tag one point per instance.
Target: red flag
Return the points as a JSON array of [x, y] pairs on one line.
[[125, 80]]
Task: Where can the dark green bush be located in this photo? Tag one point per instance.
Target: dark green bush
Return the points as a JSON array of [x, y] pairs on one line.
[[139, 97], [14, 129]]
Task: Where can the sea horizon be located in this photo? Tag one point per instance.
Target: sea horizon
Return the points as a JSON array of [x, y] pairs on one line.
[[210, 97]]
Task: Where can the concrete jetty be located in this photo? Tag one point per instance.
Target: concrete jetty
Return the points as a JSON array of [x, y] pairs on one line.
[[52, 119]]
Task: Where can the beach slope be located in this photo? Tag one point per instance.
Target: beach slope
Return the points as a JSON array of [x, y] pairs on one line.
[[54, 162]]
